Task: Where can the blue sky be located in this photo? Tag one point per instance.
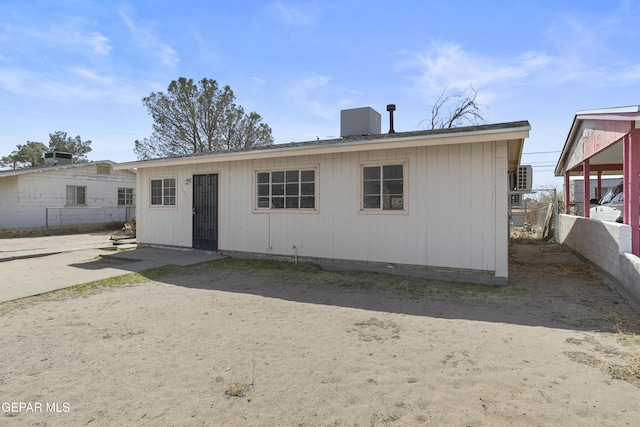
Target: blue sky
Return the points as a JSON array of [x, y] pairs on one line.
[[83, 67]]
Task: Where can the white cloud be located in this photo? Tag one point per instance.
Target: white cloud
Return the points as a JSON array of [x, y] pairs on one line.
[[294, 15], [69, 35], [90, 75], [448, 65], [98, 43], [306, 93], [87, 87], [145, 38], [631, 73], [258, 83], [318, 95]]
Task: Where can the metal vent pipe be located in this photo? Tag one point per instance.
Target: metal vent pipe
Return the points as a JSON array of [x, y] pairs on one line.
[[391, 108]]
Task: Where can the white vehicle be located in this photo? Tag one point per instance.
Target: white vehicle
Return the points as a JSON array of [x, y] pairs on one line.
[[610, 207]]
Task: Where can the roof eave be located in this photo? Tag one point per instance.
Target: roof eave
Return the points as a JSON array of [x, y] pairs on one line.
[[514, 133]]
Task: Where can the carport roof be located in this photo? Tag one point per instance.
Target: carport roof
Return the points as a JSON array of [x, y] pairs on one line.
[[596, 135]]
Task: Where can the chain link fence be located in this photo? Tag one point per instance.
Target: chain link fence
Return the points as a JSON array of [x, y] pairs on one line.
[[535, 219], [82, 218]]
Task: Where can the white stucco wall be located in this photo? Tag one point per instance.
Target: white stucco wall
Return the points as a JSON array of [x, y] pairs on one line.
[[456, 209], [25, 197], [9, 201]]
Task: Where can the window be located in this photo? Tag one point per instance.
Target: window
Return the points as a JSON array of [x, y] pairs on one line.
[[76, 195], [125, 196], [383, 187], [163, 192], [291, 189]]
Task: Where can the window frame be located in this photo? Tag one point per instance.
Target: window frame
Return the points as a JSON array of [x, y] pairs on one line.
[[300, 182], [381, 164], [74, 202], [132, 196], [163, 195]]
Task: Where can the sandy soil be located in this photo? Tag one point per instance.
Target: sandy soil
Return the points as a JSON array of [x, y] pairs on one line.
[[225, 345]]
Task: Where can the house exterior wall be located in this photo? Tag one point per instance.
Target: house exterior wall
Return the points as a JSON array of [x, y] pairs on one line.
[[30, 194], [8, 201], [455, 209]]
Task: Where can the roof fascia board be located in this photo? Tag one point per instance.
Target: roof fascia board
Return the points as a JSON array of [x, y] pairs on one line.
[[567, 145], [621, 117], [24, 171], [614, 110], [302, 150]]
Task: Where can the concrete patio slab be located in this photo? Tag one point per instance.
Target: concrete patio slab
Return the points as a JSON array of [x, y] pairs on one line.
[[168, 256], [37, 265]]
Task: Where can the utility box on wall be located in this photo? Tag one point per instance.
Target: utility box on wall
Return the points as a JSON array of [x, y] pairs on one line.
[[360, 121], [524, 178]]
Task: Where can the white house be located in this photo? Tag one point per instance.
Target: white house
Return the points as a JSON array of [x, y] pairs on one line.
[[434, 202], [77, 196]]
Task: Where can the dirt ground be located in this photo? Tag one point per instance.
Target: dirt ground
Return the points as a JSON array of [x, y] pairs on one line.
[[234, 343]]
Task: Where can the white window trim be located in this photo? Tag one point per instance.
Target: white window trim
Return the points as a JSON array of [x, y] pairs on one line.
[[163, 206], [405, 187], [254, 193]]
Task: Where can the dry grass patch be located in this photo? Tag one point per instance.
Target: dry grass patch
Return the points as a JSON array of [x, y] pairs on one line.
[[625, 334], [580, 270], [384, 418], [629, 372], [236, 389], [628, 331]]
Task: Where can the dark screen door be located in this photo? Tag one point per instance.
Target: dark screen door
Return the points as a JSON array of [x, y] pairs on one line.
[[205, 212]]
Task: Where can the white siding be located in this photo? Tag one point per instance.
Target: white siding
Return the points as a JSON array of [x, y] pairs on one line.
[[166, 225], [456, 209]]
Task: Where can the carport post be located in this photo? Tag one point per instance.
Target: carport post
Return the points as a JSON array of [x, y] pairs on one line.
[[599, 189], [631, 166], [567, 190], [586, 197]]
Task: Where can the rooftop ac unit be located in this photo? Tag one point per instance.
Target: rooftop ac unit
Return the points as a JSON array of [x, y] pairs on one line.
[[359, 121], [56, 158], [524, 178]]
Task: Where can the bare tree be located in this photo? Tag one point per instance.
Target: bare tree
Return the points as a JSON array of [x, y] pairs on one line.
[[456, 110]]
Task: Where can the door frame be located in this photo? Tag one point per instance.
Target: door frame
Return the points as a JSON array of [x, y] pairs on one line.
[[217, 210]]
